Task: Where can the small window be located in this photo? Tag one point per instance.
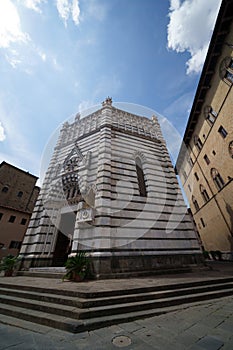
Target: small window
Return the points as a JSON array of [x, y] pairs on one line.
[[217, 178], [5, 189], [190, 162], [23, 221], [226, 69], [222, 131], [214, 153], [189, 187], [229, 72], [1, 215], [210, 115], [15, 245], [195, 203], [185, 175], [196, 176], [202, 222], [204, 193], [12, 218], [20, 194], [230, 148], [229, 76], [198, 143], [206, 159]]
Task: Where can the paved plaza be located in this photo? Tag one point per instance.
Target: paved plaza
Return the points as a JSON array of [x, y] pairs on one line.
[[197, 326], [205, 325]]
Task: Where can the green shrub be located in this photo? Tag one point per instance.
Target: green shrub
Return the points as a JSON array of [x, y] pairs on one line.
[[77, 265]]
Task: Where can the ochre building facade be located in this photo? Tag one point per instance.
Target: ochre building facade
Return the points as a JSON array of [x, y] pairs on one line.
[[205, 161], [18, 195]]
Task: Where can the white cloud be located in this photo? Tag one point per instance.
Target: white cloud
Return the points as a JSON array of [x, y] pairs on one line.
[[42, 54], [75, 12], [2, 132], [190, 28], [67, 9], [33, 4], [10, 26]]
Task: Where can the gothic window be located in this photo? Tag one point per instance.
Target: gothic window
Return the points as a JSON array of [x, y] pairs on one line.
[[218, 180], [196, 206], [72, 160], [230, 148], [198, 143], [70, 185], [141, 178], [210, 115], [204, 193], [226, 69], [71, 163], [222, 131]]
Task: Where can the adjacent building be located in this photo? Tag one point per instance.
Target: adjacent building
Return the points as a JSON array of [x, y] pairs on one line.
[[110, 190], [205, 161], [18, 195]]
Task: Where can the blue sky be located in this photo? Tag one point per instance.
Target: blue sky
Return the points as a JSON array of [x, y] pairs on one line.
[[58, 57]]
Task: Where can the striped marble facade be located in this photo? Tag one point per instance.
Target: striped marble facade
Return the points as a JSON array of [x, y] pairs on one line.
[[111, 177]]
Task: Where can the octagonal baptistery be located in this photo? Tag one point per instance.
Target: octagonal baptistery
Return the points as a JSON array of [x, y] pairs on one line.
[[110, 190]]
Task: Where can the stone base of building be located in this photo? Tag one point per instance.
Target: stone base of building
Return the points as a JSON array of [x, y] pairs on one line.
[[105, 267], [114, 266]]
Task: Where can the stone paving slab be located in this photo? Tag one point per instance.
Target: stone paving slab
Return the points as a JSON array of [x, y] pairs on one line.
[[183, 329]]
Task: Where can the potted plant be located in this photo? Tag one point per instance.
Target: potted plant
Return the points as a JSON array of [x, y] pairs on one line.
[[8, 264], [206, 254], [77, 267]]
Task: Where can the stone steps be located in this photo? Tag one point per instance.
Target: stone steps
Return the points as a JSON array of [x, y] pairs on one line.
[[46, 319], [43, 274], [60, 272], [41, 296], [76, 311], [115, 292], [155, 295], [133, 297]]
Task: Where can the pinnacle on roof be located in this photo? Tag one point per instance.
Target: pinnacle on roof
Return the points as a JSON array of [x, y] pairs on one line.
[[107, 102]]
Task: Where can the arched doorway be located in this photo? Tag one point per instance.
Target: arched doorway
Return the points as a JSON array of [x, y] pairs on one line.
[[64, 239]]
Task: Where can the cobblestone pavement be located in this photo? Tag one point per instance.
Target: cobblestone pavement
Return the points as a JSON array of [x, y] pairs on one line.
[[203, 325]]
